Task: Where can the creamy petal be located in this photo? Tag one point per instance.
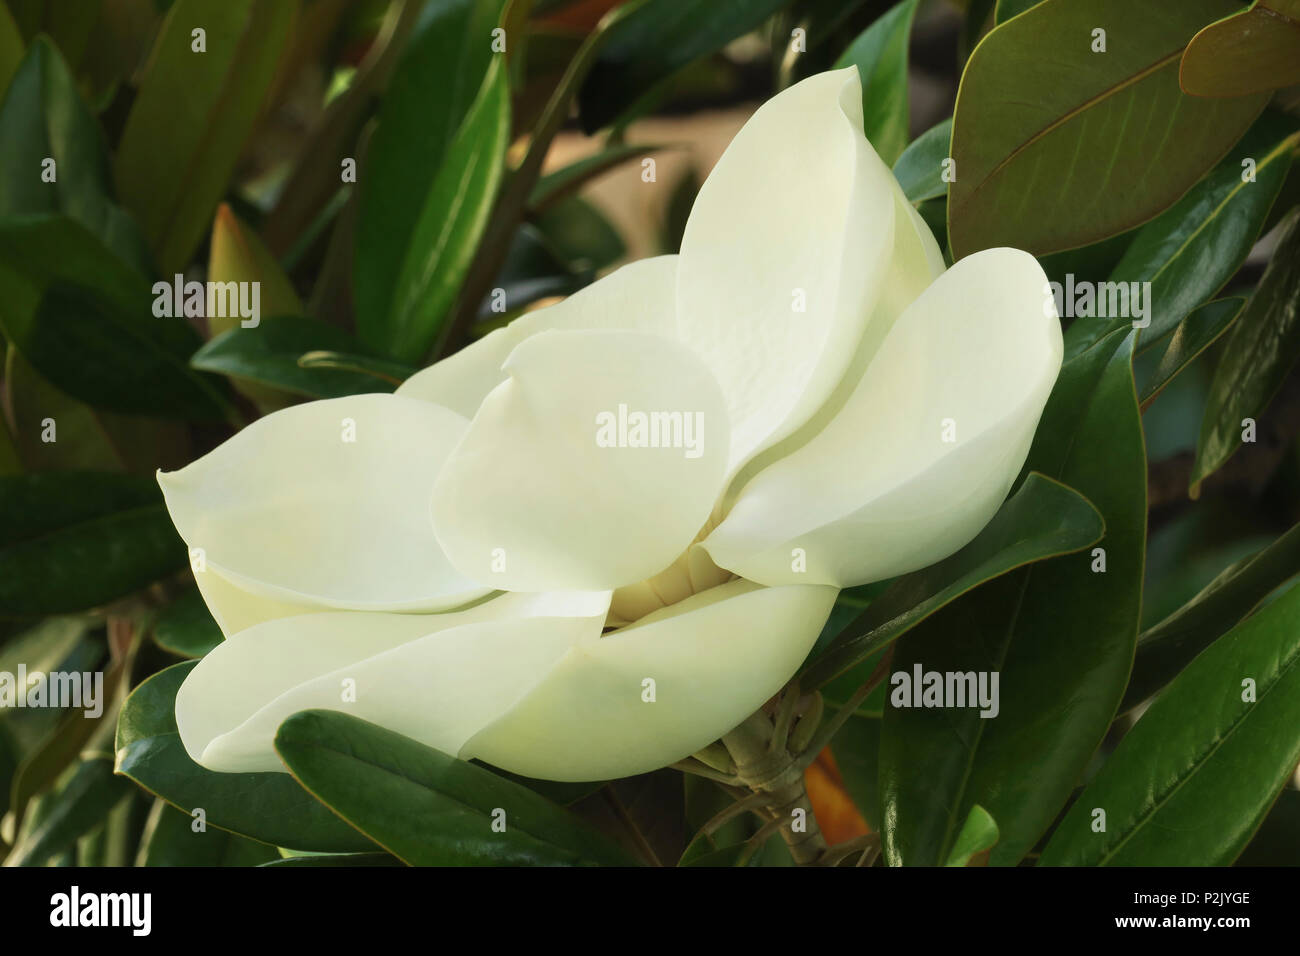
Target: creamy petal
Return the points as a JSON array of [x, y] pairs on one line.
[[326, 505], [714, 659], [235, 609], [435, 678], [880, 491], [798, 207], [535, 498], [914, 263], [639, 297]]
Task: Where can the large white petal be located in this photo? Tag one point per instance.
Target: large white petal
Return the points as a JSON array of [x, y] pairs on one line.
[[714, 659], [435, 678], [326, 505], [799, 206], [235, 609], [535, 499], [639, 297], [914, 263], [879, 491]]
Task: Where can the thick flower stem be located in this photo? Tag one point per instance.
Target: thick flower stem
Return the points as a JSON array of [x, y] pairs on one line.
[[775, 774]]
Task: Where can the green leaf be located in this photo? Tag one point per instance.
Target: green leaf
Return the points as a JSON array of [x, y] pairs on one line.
[[1194, 335], [533, 270], [236, 254], [1041, 520], [978, 835], [581, 235], [186, 627], [1078, 164], [567, 180], [919, 169], [856, 747], [43, 118], [1202, 762], [1257, 356], [1059, 634], [314, 176], [426, 807], [83, 802], [337, 859], [1164, 649], [80, 727], [1192, 249], [453, 217], [70, 541], [880, 54], [11, 47], [192, 115], [1006, 9], [1248, 52], [55, 432], [170, 840], [268, 807], [275, 352], [412, 175], [11, 462], [655, 41], [85, 322]]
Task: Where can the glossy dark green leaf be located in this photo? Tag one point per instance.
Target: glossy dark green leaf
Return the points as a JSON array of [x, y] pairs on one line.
[[70, 541], [426, 807], [1206, 760], [170, 839], [1192, 249], [919, 169], [191, 116], [272, 353], [186, 626], [1250, 51], [55, 644], [84, 801], [1041, 520], [1164, 649], [1006, 9], [856, 747], [11, 462], [452, 221], [1060, 635], [1078, 163], [655, 41], [11, 47], [880, 54], [1196, 333], [412, 175], [1257, 356], [314, 860], [82, 724], [55, 432], [85, 322], [269, 807], [383, 374], [978, 835], [42, 117], [581, 235]]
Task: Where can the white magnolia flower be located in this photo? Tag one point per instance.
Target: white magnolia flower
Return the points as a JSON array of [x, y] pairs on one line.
[[594, 541]]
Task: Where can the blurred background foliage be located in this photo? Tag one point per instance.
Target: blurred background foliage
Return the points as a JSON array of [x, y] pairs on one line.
[[399, 187]]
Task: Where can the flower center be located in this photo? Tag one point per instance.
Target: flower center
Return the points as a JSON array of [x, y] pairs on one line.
[[692, 572]]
